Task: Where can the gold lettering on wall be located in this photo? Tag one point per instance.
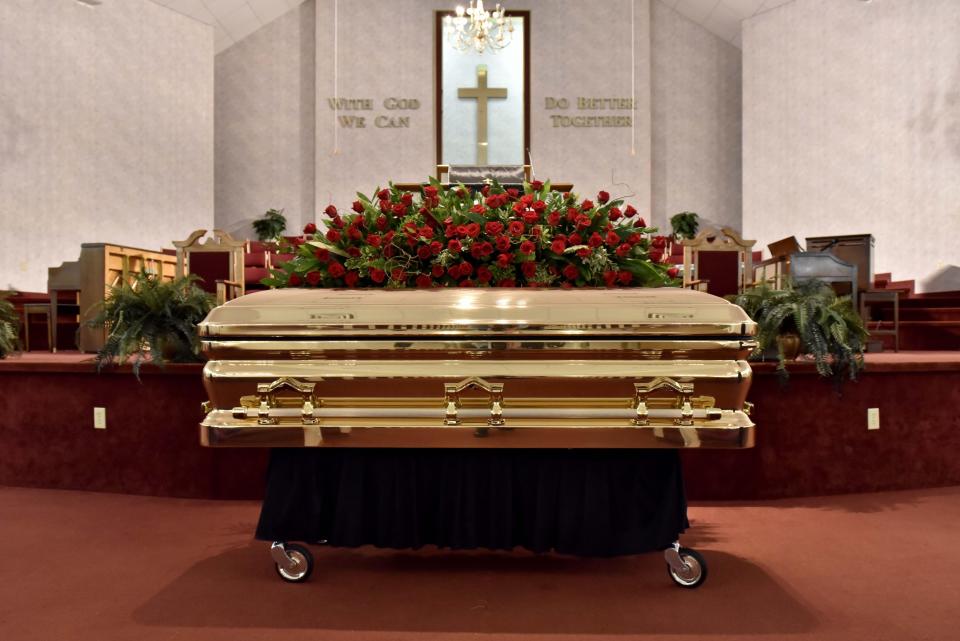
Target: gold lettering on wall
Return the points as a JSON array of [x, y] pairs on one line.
[[391, 121], [585, 103]]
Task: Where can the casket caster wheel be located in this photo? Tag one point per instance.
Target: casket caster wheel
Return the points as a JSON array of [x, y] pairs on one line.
[[294, 562], [687, 568]]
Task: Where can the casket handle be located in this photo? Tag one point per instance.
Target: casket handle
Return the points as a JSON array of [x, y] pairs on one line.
[[268, 393], [452, 400], [683, 399]]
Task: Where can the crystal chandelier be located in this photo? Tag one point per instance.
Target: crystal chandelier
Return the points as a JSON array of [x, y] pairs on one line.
[[478, 29]]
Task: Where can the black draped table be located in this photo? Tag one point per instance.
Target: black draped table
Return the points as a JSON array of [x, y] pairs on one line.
[[583, 502]]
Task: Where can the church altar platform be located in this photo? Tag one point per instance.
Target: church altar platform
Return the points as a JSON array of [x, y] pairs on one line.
[[810, 439]]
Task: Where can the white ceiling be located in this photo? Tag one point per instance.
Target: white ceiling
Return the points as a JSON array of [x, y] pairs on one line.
[[233, 20]]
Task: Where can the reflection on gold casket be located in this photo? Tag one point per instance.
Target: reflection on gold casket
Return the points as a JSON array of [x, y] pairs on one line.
[[478, 368]]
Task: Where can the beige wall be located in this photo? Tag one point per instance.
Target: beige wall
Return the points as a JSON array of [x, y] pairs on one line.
[[106, 130], [265, 124], [696, 121], [851, 124], [577, 49]]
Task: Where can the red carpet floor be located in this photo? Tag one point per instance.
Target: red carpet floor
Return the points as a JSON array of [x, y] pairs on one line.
[[78, 566]]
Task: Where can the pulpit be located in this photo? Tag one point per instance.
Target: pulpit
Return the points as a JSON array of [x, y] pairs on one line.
[[87, 280], [717, 262]]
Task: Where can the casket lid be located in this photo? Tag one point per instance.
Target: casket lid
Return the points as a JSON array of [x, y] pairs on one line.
[[341, 313]]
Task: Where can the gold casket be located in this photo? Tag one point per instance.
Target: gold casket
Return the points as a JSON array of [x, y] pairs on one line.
[[462, 368]]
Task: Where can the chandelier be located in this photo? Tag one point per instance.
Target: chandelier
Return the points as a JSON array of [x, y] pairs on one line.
[[478, 29]]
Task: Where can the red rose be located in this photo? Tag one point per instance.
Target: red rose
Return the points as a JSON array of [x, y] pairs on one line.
[[377, 275], [461, 230], [383, 194], [330, 211], [437, 271], [484, 274], [385, 206], [353, 251], [610, 278], [625, 277], [584, 252], [423, 280], [382, 222], [454, 246], [503, 243], [586, 205], [493, 228], [527, 247], [575, 239], [634, 238], [640, 223], [656, 255], [507, 282], [557, 246], [337, 222], [526, 200], [536, 185], [531, 217], [399, 209], [351, 278], [478, 209], [570, 272], [672, 272], [465, 269], [309, 229], [454, 271], [435, 247], [513, 192], [485, 190], [595, 240], [613, 239], [333, 235], [423, 252], [603, 197], [572, 214], [461, 193], [294, 280], [615, 213], [481, 250], [426, 232], [583, 221], [335, 269], [322, 254], [659, 242], [630, 212], [623, 250], [430, 191], [397, 274], [313, 278], [465, 283], [539, 206], [503, 260], [553, 218], [374, 240], [518, 208], [473, 230], [529, 269], [493, 201], [515, 228], [358, 206], [354, 233]]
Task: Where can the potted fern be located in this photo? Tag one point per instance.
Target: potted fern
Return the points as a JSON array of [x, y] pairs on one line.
[[271, 226], [807, 318], [155, 317], [9, 327], [685, 225]]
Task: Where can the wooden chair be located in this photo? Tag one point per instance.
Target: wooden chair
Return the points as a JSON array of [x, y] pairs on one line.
[[718, 262], [217, 260]]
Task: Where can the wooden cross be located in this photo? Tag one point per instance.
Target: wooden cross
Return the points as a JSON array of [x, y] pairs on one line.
[[482, 93]]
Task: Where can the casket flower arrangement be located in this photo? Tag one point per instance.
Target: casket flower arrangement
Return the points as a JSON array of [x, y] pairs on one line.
[[452, 236]]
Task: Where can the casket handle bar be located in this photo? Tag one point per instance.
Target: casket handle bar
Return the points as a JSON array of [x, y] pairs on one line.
[[451, 398], [269, 397], [683, 401]]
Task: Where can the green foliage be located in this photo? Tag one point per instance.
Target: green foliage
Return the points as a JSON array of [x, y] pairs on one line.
[[685, 225], [829, 328], [9, 327], [155, 316], [271, 226]]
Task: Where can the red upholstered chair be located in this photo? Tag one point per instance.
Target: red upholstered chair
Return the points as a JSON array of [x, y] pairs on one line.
[[718, 262], [257, 263], [218, 261]]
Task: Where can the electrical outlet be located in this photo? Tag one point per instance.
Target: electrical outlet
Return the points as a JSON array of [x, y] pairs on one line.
[[99, 418], [873, 418]]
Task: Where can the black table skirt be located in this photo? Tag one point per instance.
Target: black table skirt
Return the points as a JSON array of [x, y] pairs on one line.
[[582, 502]]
